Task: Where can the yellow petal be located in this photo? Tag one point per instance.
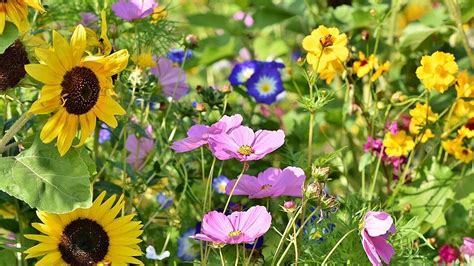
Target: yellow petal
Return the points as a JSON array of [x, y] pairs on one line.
[[35, 4], [66, 136], [43, 74], [2, 21], [52, 258], [63, 50], [45, 107], [54, 125], [78, 44], [51, 59], [108, 119]]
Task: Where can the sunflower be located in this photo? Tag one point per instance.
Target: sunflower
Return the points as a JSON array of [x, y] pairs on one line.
[[77, 89], [87, 236], [17, 12]]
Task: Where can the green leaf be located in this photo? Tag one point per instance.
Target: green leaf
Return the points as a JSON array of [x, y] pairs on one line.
[[214, 52], [7, 258], [365, 160], [210, 20], [9, 35], [414, 35], [44, 180], [270, 15]]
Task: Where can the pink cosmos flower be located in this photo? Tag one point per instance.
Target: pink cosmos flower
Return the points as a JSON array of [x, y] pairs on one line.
[[448, 253], [246, 17], [130, 10], [377, 226], [236, 228], [245, 145], [139, 148], [198, 135], [467, 248], [272, 182], [171, 78]]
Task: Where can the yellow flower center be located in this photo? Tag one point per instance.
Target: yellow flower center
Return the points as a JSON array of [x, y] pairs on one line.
[[266, 88], [266, 186], [440, 70], [245, 150], [327, 40], [235, 233]]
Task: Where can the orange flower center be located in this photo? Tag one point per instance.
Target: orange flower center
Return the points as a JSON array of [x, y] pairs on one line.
[[440, 70], [327, 40]]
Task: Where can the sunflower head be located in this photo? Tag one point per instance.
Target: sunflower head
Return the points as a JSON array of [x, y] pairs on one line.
[[77, 89], [87, 236], [12, 65]]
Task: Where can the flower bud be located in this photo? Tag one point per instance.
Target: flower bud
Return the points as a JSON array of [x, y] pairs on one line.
[[314, 190], [365, 35], [226, 88], [200, 107], [191, 41], [289, 206], [320, 173]]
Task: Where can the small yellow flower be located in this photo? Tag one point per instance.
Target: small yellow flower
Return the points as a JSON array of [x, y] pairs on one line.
[[464, 85], [399, 144], [144, 60], [465, 132], [325, 45], [334, 68], [364, 65], [456, 148], [437, 71], [16, 11], [159, 13], [425, 136], [420, 116], [380, 71]]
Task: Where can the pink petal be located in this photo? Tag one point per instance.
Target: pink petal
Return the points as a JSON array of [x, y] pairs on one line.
[[223, 147], [377, 223], [216, 225], [132, 143], [187, 144], [370, 250], [254, 222], [291, 180], [267, 141], [231, 122], [243, 136], [198, 131], [384, 250], [248, 185]]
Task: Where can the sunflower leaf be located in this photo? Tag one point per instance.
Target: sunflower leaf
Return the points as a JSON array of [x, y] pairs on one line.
[[9, 35], [45, 180]]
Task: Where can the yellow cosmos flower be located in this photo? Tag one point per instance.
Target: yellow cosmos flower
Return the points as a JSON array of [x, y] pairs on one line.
[[144, 60], [16, 11], [159, 13], [425, 136], [456, 148], [464, 85], [364, 65], [437, 71], [77, 89], [465, 132], [334, 68], [399, 144], [87, 236], [420, 116], [380, 71], [325, 45]]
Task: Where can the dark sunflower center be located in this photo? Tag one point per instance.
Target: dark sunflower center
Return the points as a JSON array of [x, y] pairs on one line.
[[12, 64], [80, 90], [83, 242]]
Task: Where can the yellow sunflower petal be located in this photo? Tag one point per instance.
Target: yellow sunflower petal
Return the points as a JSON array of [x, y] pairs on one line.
[[49, 92], [45, 107], [108, 119], [87, 122], [78, 44], [53, 258], [54, 125], [50, 58], [66, 136], [43, 74], [3, 18], [62, 50], [36, 4], [44, 239]]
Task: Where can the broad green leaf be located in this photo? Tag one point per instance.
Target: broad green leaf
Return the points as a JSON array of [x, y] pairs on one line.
[[270, 15], [9, 35], [44, 180], [210, 20], [414, 35], [265, 48], [217, 51], [7, 257]]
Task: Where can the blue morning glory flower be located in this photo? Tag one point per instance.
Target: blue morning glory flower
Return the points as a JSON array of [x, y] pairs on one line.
[[104, 133], [265, 84], [164, 201], [220, 183], [242, 72], [178, 55], [188, 248], [258, 245]]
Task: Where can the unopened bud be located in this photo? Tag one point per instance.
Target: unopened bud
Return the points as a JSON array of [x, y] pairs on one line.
[[320, 173], [191, 41], [365, 35], [432, 241], [199, 88], [314, 190], [200, 107], [289, 206], [300, 61], [380, 105], [372, 12], [407, 207], [226, 88]]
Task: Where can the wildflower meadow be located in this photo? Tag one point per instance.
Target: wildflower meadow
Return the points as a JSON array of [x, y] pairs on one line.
[[236, 132]]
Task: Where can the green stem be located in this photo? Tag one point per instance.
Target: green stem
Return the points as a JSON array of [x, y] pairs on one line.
[[244, 167], [337, 244], [17, 126], [222, 257]]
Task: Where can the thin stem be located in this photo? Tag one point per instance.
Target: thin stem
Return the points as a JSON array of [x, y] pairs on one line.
[[222, 257], [236, 255], [337, 244], [244, 167], [17, 126], [310, 138]]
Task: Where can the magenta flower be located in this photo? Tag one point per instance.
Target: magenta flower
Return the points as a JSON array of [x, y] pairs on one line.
[[373, 145], [130, 10], [377, 226], [272, 182], [236, 228], [246, 17], [467, 248], [171, 78], [448, 253], [198, 135], [139, 148], [245, 145]]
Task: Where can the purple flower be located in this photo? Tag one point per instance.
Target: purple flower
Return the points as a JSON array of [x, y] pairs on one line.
[[104, 134], [198, 135], [244, 144], [220, 184], [88, 18], [130, 10], [392, 127], [188, 249], [246, 17], [164, 201], [448, 253], [236, 228], [139, 149], [467, 248], [377, 226], [171, 78], [373, 145], [242, 72], [178, 55], [272, 182]]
